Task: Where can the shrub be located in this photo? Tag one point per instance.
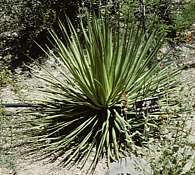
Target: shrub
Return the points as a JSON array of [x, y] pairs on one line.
[[27, 20], [173, 152], [173, 17], [89, 109]]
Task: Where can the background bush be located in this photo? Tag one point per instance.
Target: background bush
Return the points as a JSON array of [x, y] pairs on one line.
[[173, 17], [23, 21]]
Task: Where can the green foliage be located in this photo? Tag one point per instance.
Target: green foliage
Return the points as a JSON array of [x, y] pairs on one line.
[[27, 20], [173, 152], [6, 160], [185, 18], [5, 77], [23, 21], [85, 111], [172, 17], [5, 73]]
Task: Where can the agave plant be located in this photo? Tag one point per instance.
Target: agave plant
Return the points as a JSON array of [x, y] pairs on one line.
[[89, 109]]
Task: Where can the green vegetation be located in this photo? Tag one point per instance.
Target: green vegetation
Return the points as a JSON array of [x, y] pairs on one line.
[[91, 105], [5, 77], [107, 61], [24, 21], [6, 159], [172, 17], [173, 152]]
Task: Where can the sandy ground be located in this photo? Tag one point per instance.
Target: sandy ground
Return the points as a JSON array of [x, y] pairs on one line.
[[26, 90]]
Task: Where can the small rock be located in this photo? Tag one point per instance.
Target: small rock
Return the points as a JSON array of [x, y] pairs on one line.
[[130, 166], [193, 26]]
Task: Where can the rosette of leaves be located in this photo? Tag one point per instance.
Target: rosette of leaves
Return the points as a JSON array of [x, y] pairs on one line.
[[89, 109]]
